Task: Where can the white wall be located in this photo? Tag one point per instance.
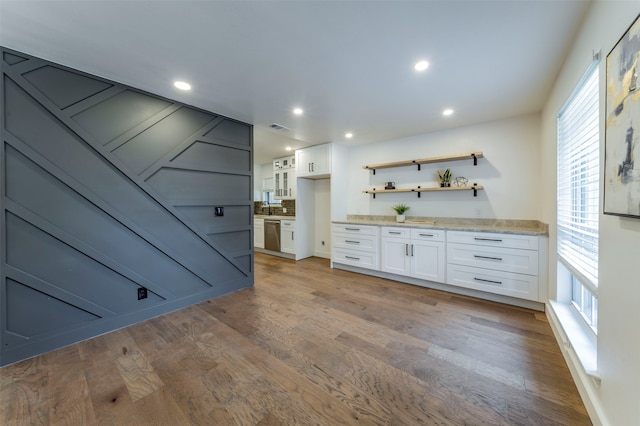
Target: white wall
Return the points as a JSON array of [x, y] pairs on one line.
[[322, 225], [509, 172], [618, 398]]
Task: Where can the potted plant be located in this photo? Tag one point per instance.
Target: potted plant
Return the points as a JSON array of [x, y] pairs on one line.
[[445, 178], [401, 209]]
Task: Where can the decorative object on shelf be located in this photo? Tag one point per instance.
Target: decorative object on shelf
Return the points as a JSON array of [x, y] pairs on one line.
[[401, 209], [389, 185], [621, 175], [460, 181], [445, 178]]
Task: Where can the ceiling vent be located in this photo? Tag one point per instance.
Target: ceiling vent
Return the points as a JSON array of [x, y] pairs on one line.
[[276, 126]]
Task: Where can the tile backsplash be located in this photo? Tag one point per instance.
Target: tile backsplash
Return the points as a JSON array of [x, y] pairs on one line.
[[290, 205]]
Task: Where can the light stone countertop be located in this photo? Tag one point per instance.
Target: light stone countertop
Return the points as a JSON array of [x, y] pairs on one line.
[[273, 217], [505, 226]]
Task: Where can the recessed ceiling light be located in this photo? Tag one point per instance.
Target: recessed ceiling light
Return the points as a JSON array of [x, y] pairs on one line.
[[421, 66], [298, 111], [348, 135], [182, 85], [447, 111], [288, 148]]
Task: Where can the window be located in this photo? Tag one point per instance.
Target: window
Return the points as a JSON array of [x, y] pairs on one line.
[[579, 193]]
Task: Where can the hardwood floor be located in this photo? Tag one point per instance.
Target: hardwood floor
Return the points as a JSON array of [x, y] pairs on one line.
[[307, 345]]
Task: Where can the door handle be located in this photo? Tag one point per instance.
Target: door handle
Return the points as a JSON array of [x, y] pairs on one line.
[[487, 257], [426, 235], [487, 281], [352, 258], [411, 250], [488, 239], [352, 242], [406, 249], [292, 235]]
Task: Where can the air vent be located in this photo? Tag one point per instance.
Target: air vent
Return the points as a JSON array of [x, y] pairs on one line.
[[276, 126]]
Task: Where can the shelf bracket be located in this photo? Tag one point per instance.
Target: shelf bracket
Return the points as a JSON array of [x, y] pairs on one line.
[[475, 160]]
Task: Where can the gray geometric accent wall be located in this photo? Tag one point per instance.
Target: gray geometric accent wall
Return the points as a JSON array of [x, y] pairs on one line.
[[107, 189]]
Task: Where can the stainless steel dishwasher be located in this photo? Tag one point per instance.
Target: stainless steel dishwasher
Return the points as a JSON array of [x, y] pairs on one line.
[[272, 234]]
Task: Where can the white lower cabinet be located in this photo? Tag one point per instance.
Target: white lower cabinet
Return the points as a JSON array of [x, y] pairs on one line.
[[287, 236], [356, 245], [258, 233], [413, 252], [504, 264]]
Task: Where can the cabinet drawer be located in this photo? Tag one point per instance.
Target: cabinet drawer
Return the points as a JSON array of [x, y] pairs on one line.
[[288, 224], [527, 242], [355, 242], [361, 259], [497, 258], [393, 232], [498, 282], [356, 229], [427, 234]]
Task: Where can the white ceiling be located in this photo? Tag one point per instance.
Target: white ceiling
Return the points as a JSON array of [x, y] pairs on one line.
[[349, 64]]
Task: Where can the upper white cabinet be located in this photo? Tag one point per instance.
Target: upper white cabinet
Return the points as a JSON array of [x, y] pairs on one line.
[[314, 162], [284, 163], [285, 184]]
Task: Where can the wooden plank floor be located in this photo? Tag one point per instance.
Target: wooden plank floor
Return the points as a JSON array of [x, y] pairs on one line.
[[307, 345]]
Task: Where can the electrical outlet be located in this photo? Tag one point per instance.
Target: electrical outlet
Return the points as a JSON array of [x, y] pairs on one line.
[[284, 210], [142, 293]]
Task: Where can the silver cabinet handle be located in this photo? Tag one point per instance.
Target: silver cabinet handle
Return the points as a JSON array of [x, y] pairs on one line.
[[292, 234], [395, 232], [406, 249], [495, 240], [426, 235], [487, 257], [352, 242], [411, 250], [352, 229], [487, 281], [352, 258]]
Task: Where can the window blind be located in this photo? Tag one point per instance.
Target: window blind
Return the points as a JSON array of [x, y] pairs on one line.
[[578, 180]]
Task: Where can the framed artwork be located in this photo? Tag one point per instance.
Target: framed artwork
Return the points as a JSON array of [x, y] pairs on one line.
[[622, 126]]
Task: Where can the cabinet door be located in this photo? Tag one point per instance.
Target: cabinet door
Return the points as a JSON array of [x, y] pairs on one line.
[[277, 185], [287, 236], [427, 260], [394, 255], [321, 160], [303, 162], [258, 233]]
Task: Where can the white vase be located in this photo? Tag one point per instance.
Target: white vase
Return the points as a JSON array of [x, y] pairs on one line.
[[400, 218]]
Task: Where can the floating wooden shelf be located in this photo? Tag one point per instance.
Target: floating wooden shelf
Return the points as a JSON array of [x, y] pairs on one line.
[[418, 190], [470, 156]]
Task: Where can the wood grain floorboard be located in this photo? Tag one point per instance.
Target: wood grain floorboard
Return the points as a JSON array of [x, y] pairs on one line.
[[307, 345]]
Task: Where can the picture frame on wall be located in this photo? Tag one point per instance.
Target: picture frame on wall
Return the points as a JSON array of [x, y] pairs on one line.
[[622, 126]]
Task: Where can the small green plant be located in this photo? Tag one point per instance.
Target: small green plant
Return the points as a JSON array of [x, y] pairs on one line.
[[445, 177], [401, 208]]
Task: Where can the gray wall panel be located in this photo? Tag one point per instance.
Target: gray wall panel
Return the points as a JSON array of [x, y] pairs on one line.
[[62, 87], [201, 154], [82, 231], [181, 186], [38, 191], [118, 114], [232, 132], [51, 314], [142, 151]]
